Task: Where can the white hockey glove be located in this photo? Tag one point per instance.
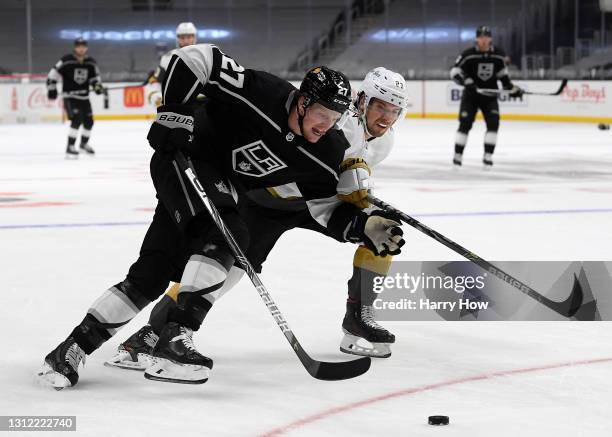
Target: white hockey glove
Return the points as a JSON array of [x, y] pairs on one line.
[[353, 182], [380, 232]]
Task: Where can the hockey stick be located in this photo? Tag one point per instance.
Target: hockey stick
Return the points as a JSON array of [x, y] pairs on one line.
[[121, 87], [566, 308], [323, 370], [495, 92]]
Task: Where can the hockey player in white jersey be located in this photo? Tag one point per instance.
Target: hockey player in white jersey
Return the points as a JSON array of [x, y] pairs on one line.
[[273, 211], [380, 104], [186, 35]]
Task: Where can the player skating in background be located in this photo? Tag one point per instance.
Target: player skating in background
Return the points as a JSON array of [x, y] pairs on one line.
[[254, 130], [78, 72], [186, 35], [480, 66], [272, 211]]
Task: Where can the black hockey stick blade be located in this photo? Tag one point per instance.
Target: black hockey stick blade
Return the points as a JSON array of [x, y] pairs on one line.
[[329, 371], [556, 93], [574, 301], [566, 308]]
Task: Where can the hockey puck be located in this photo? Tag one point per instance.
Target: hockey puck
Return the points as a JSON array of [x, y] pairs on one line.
[[438, 420], [603, 126]]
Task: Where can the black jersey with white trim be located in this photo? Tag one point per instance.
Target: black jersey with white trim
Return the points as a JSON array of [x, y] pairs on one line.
[[76, 76], [484, 68], [242, 127]]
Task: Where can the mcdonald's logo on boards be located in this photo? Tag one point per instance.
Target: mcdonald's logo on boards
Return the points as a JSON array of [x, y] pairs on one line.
[[133, 97]]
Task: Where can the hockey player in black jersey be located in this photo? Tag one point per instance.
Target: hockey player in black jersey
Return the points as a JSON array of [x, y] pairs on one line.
[[78, 72], [254, 131], [480, 66], [271, 212]]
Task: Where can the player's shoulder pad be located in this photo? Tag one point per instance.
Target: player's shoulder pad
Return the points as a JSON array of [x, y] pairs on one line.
[[68, 57], [268, 82], [199, 58], [469, 51], [90, 60], [498, 51]]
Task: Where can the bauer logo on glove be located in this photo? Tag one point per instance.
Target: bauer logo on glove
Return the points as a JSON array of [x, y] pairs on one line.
[[172, 129]]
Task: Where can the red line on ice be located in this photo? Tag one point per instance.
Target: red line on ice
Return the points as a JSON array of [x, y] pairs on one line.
[[284, 429], [34, 204]]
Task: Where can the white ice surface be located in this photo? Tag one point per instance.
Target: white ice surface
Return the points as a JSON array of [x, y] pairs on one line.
[[552, 181]]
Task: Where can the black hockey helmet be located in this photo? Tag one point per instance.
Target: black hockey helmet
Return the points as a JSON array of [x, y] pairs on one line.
[[327, 87], [483, 31], [80, 41]]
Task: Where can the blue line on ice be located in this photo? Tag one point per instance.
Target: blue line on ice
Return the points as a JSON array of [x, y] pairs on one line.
[[534, 212], [72, 225], [434, 214]]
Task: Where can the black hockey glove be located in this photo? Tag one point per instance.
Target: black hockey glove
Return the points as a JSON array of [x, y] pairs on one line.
[[98, 88], [172, 129], [380, 231], [516, 91], [52, 94], [469, 85]]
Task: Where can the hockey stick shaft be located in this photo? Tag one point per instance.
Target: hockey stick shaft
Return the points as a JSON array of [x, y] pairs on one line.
[[495, 91], [318, 369], [567, 308]]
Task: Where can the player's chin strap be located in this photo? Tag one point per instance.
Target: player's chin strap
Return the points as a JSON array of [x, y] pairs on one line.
[[307, 102], [362, 115]]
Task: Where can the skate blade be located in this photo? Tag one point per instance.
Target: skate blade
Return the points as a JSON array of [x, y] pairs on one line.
[[123, 360], [48, 377], [350, 345], [166, 371], [70, 156]]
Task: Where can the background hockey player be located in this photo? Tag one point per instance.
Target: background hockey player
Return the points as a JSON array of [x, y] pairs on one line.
[[78, 72], [186, 35], [272, 211], [254, 130], [480, 66]]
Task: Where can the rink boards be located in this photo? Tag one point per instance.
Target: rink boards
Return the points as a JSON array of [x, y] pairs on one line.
[[581, 101]]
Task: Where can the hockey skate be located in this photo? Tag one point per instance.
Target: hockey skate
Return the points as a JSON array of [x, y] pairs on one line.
[[359, 324], [87, 149], [72, 152], [457, 159], [487, 160], [175, 358], [135, 352], [61, 366]]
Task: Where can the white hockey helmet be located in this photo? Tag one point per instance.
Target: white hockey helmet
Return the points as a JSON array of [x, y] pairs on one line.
[[385, 85], [187, 28]]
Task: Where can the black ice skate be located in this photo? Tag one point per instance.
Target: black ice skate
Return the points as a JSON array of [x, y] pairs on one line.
[[72, 152], [487, 160], [87, 149], [175, 358], [359, 324], [457, 159], [61, 367], [135, 352]]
